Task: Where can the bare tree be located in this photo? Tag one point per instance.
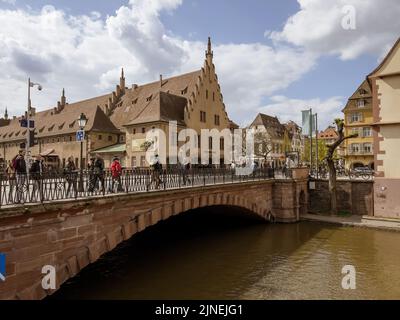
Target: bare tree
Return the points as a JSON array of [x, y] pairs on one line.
[[262, 144], [331, 164]]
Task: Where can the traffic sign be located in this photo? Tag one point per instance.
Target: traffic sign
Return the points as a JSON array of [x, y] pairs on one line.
[[80, 135], [24, 123], [2, 267]]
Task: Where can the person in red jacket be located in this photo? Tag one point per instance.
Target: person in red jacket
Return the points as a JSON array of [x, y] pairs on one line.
[[116, 172]]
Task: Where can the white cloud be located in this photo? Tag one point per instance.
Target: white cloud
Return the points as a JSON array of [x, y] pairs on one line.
[[317, 27], [290, 109], [84, 54]]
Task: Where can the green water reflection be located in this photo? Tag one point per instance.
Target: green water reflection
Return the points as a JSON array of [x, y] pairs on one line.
[[219, 254]]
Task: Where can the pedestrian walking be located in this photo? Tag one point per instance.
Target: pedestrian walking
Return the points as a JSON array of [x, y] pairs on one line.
[[98, 171], [184, 168], [37, 170], [156, 167], [71, 175], [20, 174], [11, 178], [116, 172]]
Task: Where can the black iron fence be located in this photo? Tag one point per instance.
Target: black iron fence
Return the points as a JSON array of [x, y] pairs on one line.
[[20, 189]]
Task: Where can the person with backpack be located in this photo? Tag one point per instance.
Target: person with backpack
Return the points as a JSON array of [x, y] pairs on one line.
[[37, 170], [185, 168], [156, 172], [20, 173], [98, 171], [71, 175], [116, 172], [10, 174]]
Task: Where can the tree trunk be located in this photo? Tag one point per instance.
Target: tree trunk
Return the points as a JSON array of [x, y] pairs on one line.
[[331, 164], [332, 186]]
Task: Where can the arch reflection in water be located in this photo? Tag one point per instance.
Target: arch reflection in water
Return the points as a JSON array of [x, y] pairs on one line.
[[227, 253]]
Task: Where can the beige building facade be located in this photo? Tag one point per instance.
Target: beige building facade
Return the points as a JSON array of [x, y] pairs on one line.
[[359, 151], [274, 141], [385, 82]]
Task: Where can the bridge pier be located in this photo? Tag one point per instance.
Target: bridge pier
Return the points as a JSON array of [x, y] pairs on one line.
[[70, 235]]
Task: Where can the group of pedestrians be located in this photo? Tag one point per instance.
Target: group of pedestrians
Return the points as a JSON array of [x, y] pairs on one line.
[[20, 173], [17, 172], [96, 171]]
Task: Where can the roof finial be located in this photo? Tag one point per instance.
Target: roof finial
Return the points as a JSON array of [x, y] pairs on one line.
[[122, 73], [209, 52], [63, 99], [6, 114]]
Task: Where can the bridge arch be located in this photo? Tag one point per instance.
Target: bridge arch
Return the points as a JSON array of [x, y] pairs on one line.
[[71, 235]]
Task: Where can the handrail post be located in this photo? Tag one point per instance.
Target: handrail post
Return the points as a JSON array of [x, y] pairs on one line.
[[1, 190], [41, 187]]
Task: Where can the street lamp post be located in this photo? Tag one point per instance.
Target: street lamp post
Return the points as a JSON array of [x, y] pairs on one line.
[[28, 137], [82, 121]]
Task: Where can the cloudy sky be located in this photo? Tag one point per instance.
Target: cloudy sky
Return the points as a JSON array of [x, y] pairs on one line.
[[276, 57]]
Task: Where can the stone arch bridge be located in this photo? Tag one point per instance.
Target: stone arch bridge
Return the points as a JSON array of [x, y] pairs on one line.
[[70, 235]]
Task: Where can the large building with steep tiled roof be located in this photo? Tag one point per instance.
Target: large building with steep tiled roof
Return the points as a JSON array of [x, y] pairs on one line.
[[121, 119]]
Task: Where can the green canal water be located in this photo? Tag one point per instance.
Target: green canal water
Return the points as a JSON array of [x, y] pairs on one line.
[[220, 253]]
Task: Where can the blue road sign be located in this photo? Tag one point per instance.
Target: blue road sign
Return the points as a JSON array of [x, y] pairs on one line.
[[80, 135], [2, 267], [24, 123]]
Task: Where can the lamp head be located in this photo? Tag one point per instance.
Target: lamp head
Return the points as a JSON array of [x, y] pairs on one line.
[[82, 120]]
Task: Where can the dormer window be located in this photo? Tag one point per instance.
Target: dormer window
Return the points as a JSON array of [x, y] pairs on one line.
[[51, 128], [134, 101], [149, 98], [71, 125], [61, 126], [184, 91]]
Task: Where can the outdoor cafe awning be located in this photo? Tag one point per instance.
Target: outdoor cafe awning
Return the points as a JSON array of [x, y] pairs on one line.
[[48, 152], [116, 148]]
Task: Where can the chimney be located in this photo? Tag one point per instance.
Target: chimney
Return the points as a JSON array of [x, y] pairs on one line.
[[134, 86], [114, 98], [161, 80]]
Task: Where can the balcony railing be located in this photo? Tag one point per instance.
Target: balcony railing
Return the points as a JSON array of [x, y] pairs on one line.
[[360, 152], [38, 188]]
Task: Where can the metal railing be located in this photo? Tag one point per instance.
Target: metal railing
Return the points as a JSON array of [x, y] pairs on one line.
[[49, 187]]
